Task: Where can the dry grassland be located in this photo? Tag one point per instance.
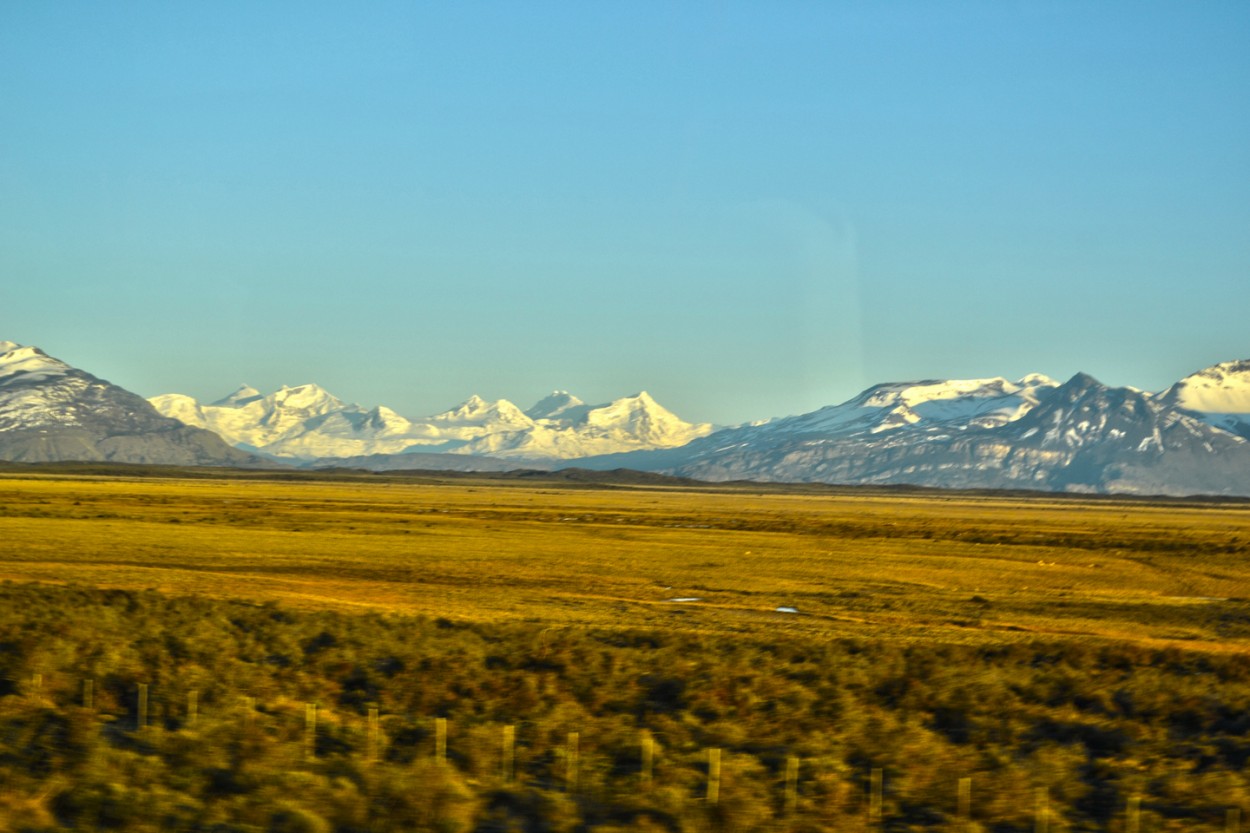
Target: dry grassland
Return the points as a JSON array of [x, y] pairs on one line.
[[852, 564]]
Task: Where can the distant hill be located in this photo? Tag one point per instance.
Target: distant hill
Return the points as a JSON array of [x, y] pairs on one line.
[[50, 411]]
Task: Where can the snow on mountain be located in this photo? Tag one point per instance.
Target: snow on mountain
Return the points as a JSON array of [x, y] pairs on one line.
[[574, 429], [957, 404], [243, 395], [309, 423], [26, 401], [1081, 436], [1091, 437], [29, 364], [182, 408], [559, 404], [305, 421], [1219, 394], [893, 413], [476, 412], [50, 411]]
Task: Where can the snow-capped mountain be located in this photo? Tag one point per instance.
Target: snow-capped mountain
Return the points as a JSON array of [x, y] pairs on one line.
[[308, 423], [50, 411], [1081, 436], [950, 405], [301, 422], [1220, 395], [574, 429]]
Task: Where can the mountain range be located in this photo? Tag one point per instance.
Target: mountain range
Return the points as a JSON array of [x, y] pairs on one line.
[[1032, 433], [1078, 436], [307, 424]]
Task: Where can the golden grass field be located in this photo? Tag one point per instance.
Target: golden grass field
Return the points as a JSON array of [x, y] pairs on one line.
[[852, 563]]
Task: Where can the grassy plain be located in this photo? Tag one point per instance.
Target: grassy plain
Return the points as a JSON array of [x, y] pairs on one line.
[[1091, 652], [907, 565]]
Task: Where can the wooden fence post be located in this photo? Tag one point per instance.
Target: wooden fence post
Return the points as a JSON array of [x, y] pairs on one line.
[[88, 694], [1132, 815], [374, 740], [648, 757], [310, 731], [193, 708], [509, 752], [574, 753], [440, 739], [965, 803], [792, 785], [874, 798], [1041, 811], [713, 777]]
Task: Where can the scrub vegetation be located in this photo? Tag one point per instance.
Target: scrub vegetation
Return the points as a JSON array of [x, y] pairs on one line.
[[382, 654]]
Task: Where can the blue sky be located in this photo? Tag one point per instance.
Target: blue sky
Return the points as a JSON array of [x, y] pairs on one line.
[[748, 209]]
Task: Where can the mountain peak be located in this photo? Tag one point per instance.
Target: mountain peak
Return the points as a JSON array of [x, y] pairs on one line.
[[1082, 380], [472, 407], [242, 395], [29, 363], [1219, 395], [304, 395], [1221, 388], [1238, 368], [477, 411], [558, 403]]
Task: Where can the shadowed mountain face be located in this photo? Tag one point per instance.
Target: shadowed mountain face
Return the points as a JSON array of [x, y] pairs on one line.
[[51, 412]]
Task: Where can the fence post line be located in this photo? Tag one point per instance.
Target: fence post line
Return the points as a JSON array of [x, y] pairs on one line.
[[88, 694], [792, 785], [193, 708], [1041, 810], [440, 739], [509, 751], [310, 731], [713, 776]]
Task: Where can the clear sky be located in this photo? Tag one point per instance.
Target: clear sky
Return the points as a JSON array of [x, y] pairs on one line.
[[747, 209]]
